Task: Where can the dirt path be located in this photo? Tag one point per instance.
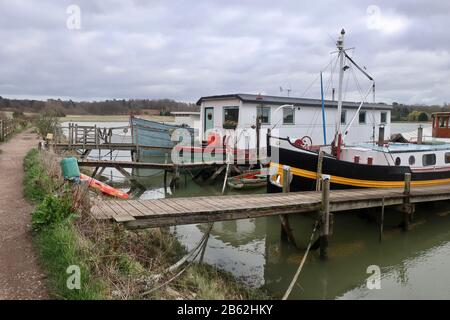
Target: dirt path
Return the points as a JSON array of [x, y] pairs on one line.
[[20, 277]]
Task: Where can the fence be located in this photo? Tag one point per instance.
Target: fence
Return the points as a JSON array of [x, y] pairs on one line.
[[7, 128]]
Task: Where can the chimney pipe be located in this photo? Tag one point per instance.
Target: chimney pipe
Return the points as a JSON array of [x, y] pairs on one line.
[[381, 136], [420, 135]]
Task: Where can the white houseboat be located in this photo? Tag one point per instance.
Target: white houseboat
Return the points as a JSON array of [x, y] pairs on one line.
[[295, 118]]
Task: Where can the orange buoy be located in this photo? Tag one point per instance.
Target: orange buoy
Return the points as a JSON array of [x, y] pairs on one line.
[[103, 187]]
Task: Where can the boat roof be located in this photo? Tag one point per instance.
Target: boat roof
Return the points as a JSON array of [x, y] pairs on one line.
[[277, 100], [402, 147], [177, 113]]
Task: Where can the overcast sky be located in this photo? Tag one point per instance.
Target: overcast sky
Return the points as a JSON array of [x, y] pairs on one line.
[[188, 49]]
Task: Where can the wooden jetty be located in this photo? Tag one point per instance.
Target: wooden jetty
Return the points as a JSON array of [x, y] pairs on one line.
[[84, 139], [175, 211], [138, 214]]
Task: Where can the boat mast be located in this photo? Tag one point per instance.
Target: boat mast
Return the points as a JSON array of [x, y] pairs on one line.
[[340, 47]]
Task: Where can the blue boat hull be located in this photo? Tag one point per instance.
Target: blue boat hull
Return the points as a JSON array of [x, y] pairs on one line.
[[153, 138]]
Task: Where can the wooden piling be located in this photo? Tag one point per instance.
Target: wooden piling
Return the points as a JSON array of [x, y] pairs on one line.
[[2, 133], [319, 171], [325, 213]]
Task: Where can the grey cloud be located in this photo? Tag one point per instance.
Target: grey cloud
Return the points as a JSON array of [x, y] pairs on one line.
[[186, 49]]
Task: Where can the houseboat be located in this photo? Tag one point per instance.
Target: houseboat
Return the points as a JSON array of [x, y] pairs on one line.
[[376, 164], [296, 118]]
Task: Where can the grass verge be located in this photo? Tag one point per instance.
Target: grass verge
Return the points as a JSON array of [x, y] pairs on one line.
[[115, 263]]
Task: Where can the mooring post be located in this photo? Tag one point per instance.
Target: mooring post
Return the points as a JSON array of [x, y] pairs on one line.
[[319, 171], [286, 179], [325, 213], [407, 207]]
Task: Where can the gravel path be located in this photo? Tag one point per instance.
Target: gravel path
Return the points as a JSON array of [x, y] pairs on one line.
[[20, 275]]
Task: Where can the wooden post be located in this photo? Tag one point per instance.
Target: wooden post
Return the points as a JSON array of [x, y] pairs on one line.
[[165, 181], [325, 213], [69, 135], [319, 171], [258, 134], [2, 135], [286, 179], [407, 208]]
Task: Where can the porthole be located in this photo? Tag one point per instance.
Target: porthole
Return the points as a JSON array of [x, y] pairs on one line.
[[398, 161], [411, 160]]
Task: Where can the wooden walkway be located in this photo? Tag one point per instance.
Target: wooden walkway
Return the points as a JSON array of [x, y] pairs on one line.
[[175, 211]]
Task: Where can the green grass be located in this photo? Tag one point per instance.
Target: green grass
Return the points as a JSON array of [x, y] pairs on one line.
[[55, 236], [37, 184], [59, 248]]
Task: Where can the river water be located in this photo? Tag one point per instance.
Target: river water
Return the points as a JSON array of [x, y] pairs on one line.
[[413, 265]]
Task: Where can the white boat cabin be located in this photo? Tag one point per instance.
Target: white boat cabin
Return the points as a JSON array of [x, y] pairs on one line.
[[240, 111], [187, 118]]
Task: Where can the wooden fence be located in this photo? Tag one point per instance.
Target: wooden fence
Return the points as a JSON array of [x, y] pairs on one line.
[[7, 128]]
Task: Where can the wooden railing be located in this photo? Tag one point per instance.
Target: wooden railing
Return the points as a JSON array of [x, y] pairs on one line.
[[7, 128]]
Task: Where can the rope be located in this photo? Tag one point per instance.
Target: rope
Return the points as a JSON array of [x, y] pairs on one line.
[[181, 262], [297, 274]]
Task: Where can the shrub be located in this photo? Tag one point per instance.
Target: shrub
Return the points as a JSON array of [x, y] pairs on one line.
[[51, 210]]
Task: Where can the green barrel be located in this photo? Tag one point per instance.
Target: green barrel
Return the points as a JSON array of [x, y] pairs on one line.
[[69, 167]]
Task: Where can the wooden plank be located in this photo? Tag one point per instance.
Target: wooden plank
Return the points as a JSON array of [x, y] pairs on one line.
[[97, 213], [159, 206], [120, 215], [129, 208], [143, 209], [149, 207]]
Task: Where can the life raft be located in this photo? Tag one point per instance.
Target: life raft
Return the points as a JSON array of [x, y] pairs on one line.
[[103, 187]]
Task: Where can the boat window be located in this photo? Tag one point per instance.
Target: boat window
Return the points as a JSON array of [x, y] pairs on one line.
[[442, 122], [447, 157], [264, 113], [398, 161], [411, 160], [362, 117], [231, 117], [344, 117], [288, 115], [383, 117], [429, 159]]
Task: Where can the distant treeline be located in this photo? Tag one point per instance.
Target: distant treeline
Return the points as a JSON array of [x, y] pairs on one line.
[[108, 107], [404, 112]]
